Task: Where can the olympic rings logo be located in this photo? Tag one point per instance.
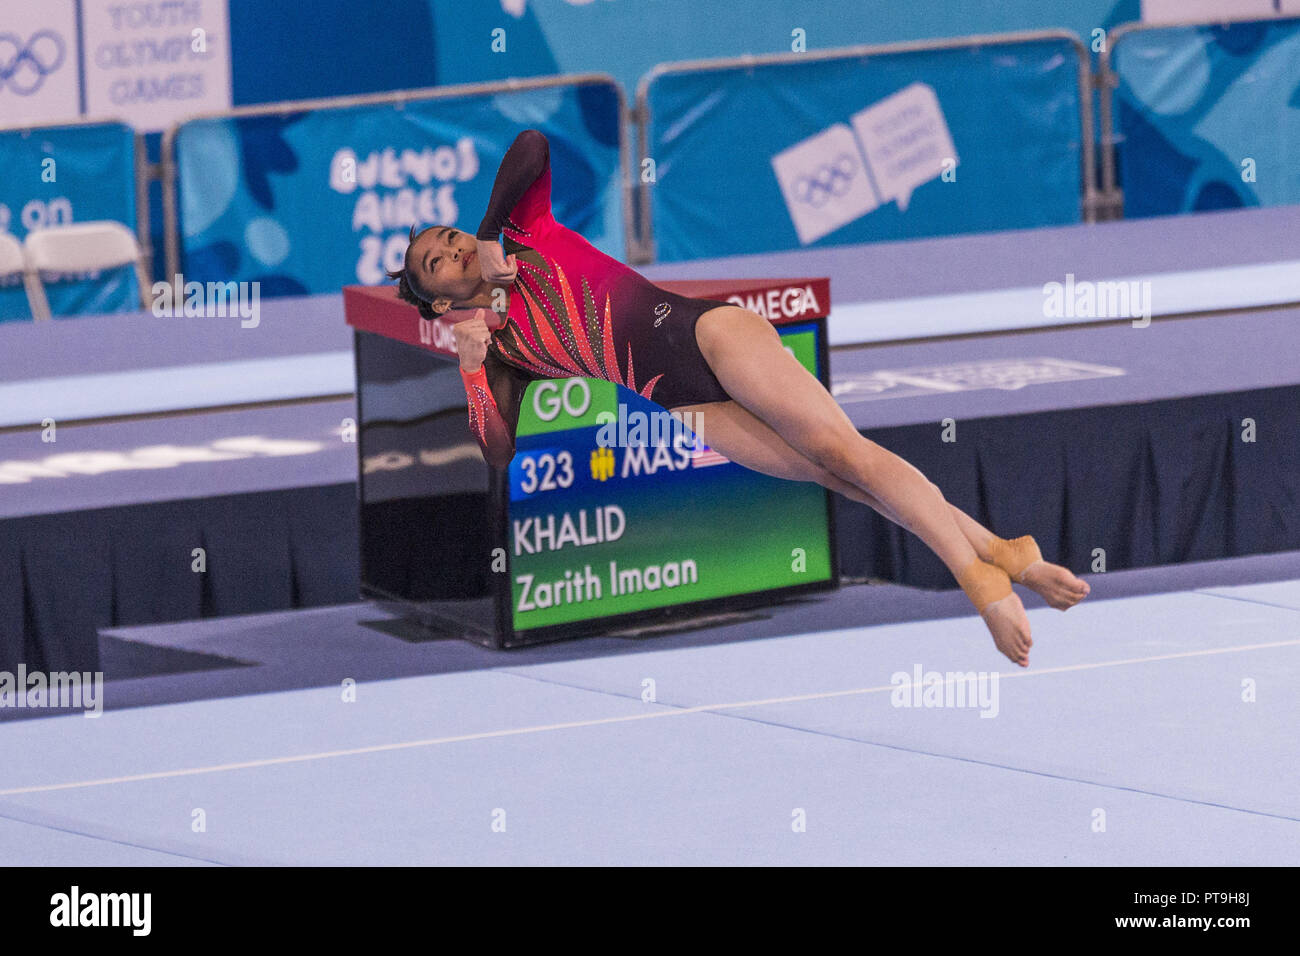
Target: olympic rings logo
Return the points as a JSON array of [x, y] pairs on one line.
[[24, 67], [827, 180]]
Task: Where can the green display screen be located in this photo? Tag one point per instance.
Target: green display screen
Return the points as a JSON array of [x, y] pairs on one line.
[[616, 508]]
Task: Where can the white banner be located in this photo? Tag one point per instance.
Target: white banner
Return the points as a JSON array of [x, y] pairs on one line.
[[153, 62], [38, 62]]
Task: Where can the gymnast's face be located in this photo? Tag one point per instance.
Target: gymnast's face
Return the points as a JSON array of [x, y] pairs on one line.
[[442, 266]]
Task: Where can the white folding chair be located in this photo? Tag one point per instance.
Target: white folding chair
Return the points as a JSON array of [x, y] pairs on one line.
[[81, 247], [13, 262]]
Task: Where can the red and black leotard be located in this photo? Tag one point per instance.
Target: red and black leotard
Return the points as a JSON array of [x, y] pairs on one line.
[[575, 311]]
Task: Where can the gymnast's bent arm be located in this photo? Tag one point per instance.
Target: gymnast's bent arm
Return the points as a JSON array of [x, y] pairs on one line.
[[522, 186]]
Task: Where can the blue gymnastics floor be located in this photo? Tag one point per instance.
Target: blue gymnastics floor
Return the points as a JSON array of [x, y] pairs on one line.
[[1127, 741]]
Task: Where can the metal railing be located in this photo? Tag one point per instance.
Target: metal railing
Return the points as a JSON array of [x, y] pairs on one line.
[[398, 99], [1087, 171]]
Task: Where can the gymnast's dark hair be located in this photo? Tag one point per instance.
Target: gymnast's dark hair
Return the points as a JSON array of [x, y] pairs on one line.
[[407, 293]]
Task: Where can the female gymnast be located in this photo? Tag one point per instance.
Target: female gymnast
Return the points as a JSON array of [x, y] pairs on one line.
[[559, 308]]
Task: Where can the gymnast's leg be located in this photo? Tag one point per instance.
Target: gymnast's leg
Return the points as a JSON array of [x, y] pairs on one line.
[[745, 353], [732, 330], [743, 438]]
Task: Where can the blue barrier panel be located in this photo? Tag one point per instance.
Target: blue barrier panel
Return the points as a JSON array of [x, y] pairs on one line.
[[1207, 116], [309, 201], [865, 145], [54, 175]]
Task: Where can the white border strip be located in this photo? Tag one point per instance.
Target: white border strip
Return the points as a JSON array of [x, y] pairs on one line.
[[180, 388], [331, 373], [1172, 293]]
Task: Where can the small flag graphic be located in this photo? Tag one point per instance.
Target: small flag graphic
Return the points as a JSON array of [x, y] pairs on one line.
[[703, 458]]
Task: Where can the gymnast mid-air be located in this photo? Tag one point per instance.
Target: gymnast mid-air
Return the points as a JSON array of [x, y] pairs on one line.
[[550, 305]]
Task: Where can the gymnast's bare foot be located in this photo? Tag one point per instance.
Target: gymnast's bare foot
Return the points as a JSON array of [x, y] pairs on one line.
[[1056, 585], [1009, 625]]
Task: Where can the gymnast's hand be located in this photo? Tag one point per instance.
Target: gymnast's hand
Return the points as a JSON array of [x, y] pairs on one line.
[[495, 265], [472, 338]]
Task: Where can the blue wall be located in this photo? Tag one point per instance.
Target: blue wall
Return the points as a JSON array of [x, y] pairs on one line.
[[283, 50], [288, 49], [627, 37], [293, 50]]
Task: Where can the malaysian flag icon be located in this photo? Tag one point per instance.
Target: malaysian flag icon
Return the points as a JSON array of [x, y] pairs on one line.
[[706, 456]]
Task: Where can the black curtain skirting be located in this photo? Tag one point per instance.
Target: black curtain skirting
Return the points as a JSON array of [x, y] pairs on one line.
[[1152, 483], [68, 575]]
